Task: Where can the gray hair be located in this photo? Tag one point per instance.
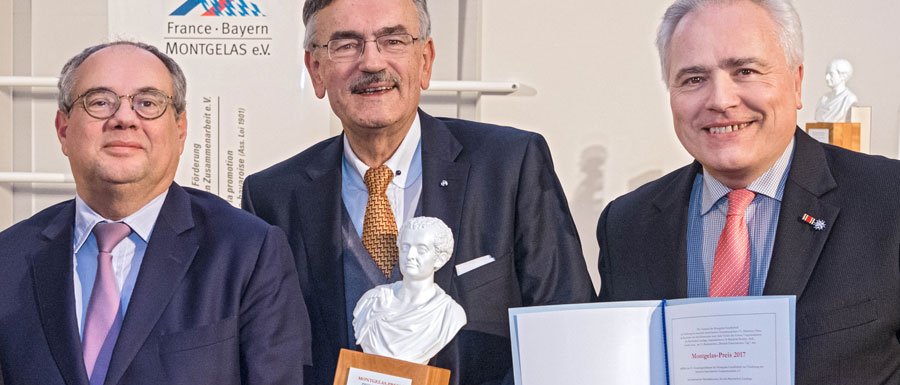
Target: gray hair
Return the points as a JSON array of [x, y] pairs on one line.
[[790, 32], [67, 77], [443, 238], [312, 7], [842, 66]]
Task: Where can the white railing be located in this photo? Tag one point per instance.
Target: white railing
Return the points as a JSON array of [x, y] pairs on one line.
[[436, 85], [28, 81], [35, 177], [31, 177], [473, 86]]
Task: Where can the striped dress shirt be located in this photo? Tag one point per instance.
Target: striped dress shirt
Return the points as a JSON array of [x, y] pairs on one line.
[[706, 219]]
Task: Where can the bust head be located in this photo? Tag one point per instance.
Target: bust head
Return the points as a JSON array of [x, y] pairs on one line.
[[839, 71], [425, 245]]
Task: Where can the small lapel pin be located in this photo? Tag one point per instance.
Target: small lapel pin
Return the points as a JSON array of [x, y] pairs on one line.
[[444, 183], [817, 224]]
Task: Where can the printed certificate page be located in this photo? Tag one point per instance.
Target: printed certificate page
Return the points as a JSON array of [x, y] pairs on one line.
[[618, 343], [738, 340]]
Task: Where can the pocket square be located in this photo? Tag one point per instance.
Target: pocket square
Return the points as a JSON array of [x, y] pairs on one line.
[[468, 266]]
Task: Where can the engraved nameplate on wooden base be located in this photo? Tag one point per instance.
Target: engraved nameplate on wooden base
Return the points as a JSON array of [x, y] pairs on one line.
[[358, 368]]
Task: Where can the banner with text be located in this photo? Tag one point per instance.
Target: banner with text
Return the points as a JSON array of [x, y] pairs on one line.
[[249, 100]]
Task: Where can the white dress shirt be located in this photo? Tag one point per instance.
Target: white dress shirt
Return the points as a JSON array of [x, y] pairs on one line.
[[404, 190]]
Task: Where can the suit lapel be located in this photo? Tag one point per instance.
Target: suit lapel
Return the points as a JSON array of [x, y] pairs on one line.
[[169, 254], [670, 217], [320, 207], [444, 181], [797, 245], [54, 291]]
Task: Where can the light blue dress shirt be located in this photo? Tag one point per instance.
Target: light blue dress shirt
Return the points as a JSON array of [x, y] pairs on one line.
[[127, 255], [706, 219], [405, 189]]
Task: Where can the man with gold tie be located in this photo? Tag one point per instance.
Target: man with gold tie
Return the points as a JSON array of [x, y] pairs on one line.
[[342, 200]]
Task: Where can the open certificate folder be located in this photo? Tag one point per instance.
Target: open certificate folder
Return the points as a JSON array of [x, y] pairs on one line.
[[733, 340]]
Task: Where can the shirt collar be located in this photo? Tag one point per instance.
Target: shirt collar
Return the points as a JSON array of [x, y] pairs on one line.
[[141, 222], [770, 183], [401, 160]]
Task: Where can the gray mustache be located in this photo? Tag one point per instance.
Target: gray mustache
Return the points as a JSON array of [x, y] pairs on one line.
[[367, 79]]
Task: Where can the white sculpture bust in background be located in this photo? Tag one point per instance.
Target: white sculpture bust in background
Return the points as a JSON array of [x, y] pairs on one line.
[[835, 105], [412, 319]]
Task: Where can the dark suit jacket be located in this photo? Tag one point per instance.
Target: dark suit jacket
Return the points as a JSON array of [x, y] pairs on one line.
[[846, 277], [502, 198], [216, 301]]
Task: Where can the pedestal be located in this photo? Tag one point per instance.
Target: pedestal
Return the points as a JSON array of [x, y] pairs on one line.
[[409, 373], [844, 135], [863, 115]]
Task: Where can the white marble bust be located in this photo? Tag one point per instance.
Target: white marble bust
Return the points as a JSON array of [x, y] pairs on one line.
[[412, 319], [835, 105]]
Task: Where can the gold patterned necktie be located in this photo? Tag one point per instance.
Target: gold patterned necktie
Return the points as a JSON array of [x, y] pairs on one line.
[[379, 226]]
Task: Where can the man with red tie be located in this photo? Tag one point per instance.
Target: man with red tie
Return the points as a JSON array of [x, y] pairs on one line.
[[138, 280], [764, 209]]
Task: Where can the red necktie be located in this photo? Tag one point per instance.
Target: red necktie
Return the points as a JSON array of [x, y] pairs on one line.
[[731, 268]]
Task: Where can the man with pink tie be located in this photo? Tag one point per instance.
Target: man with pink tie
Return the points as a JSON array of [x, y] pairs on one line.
[[138, 280], [764, 209]]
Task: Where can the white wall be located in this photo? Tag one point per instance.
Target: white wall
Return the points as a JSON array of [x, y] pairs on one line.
[[867, 34], [43, 35], [6, 141], [597, 96], [590, 71]]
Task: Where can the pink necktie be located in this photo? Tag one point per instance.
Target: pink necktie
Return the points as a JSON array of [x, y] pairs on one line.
[[731, 268], [102, 321]]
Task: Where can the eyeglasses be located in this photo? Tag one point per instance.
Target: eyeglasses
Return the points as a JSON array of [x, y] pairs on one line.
[[350, 49], [103, 104]]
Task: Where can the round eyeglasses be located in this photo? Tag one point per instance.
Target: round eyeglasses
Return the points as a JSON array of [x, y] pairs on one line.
[[103, 104], [350, 49]]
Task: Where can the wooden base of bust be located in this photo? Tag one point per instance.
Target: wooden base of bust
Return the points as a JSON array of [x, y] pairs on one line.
[[418, 373], [846, 135]]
